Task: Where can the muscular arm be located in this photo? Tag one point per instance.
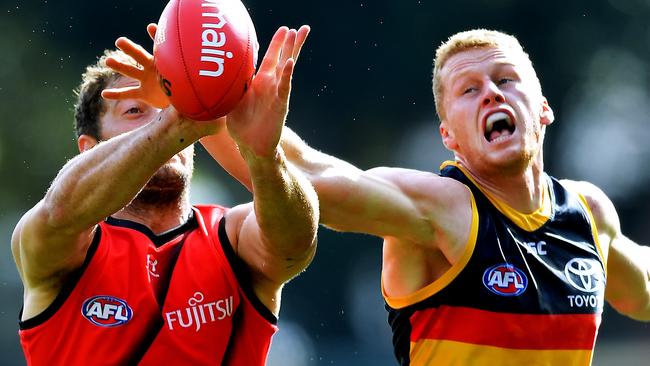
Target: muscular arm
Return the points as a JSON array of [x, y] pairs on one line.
[[52, 238], [386, 202], [276, 234], [628, 263]]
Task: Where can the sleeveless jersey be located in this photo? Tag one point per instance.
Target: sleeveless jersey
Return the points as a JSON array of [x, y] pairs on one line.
[[179, 298], [519, 295]]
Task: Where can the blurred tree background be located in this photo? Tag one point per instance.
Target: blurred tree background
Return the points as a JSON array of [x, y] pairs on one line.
[[362, 91]]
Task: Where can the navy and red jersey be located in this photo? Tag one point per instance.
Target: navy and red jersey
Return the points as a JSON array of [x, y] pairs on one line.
[[179, 298], [528, 289]]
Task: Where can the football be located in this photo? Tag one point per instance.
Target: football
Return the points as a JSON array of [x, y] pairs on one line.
[[205, 52]]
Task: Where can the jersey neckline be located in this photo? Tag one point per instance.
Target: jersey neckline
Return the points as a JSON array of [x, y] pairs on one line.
[[157, 239], [526, 221]]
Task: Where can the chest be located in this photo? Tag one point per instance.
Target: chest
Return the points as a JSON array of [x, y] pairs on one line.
[[554, 269]]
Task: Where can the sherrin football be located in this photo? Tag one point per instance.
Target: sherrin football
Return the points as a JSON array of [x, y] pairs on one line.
[[205, 52]]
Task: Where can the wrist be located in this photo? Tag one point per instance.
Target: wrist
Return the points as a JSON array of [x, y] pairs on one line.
[[262, 162]]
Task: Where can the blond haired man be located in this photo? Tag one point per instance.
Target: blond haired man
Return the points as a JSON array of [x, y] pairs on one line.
[[491, 261]]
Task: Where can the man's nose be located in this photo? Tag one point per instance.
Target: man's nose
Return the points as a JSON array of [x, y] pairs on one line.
[[493, 95]]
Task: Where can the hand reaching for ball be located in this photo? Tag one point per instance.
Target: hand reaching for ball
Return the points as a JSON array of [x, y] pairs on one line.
[[256, 122], [149, 89]]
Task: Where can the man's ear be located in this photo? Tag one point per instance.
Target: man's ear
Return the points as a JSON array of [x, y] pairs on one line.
[[86, 142], [447, 137], [546, 117]]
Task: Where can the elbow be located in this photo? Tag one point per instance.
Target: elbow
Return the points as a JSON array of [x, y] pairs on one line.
[[299, 246], [52, 213], [303, 241]]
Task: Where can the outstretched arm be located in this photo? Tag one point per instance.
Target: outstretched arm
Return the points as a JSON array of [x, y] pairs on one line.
[[276, 236], [53, 237], [628, 263]]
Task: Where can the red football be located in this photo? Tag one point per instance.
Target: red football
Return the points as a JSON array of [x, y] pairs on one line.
[[205, 52]]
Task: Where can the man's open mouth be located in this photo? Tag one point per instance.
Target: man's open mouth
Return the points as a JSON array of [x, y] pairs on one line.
[[498, 125]]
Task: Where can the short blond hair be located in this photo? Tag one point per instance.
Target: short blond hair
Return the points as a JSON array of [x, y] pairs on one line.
[[468, 40]]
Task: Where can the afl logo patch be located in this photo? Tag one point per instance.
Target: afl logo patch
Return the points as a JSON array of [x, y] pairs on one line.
[[505, 279], [106, 311]]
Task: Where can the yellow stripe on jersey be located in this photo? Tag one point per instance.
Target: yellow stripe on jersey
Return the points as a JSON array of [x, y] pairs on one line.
[[447, 277], [527, 221], [450, 353]]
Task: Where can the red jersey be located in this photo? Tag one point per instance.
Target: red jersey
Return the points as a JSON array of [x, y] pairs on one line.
[[179, 298]]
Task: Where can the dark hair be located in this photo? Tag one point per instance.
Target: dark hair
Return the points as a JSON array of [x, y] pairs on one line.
[[90, 104]]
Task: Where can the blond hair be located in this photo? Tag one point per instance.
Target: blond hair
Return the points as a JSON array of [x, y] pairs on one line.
[[468, 40]]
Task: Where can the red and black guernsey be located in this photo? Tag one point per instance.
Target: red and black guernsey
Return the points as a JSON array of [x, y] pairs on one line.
[[523, 293], [179, 298]]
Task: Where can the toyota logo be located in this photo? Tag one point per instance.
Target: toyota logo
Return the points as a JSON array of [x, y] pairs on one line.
[[584, 274]]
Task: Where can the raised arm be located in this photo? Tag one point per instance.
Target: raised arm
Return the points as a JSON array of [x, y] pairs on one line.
[[276, 235], [52, 238], [628, 263]]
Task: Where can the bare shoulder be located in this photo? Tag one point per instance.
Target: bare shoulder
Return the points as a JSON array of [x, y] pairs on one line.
[[428, 186], [445, 203], [411, 263], [15, 245]]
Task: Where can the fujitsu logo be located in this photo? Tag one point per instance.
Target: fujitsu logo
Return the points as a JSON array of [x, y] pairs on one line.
[[199, 313], [213, 40]]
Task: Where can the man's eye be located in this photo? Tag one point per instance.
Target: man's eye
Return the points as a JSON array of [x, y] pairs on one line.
[[504, 81], [133, 110], [469, 90]]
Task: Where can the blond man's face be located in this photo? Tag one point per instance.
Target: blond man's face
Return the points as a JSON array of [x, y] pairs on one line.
[[493, 107]]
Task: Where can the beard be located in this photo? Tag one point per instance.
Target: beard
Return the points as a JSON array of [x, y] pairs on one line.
[[168, 186]]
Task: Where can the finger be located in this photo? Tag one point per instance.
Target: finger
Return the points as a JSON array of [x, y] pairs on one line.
[[130, 92], [125, 69], [301, 37], [275, 47], [139, 54], [284, 87], [287, 48], [151, 29]]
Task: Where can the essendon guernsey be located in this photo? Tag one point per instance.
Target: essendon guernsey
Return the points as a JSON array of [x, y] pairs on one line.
[[179, 298]]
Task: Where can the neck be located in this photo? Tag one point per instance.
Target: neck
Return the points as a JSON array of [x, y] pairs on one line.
[[157, 217], [521, 190]]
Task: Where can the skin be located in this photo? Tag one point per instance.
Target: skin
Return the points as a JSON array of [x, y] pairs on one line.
[[425, 219], [274, 235]]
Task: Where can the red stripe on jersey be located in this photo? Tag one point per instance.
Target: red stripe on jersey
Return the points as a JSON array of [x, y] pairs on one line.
[[517, 331]]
